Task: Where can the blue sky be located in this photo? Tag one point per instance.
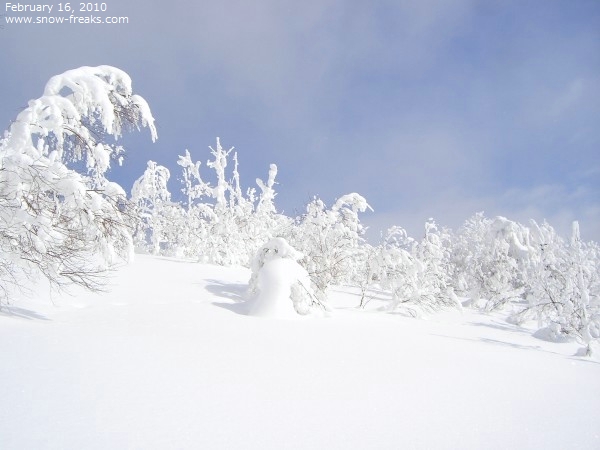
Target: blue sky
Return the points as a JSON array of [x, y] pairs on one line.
[[427, 108]]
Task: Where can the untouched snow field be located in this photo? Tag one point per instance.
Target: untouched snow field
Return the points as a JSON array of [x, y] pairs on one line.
[[168, 360]]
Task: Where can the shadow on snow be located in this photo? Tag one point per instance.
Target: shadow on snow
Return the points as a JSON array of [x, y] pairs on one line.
[[231, 291], [22, 313]]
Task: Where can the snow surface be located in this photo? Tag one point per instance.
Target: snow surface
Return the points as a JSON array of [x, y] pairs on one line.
[[168, 360]]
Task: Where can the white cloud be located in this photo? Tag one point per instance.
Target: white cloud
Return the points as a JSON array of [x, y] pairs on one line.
[[555, 203]]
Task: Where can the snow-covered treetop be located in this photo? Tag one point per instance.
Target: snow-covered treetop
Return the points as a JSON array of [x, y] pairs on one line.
[[348, 206], [356, 202], [397, 237], [151, 187], [104, 92], [194, 186], [187, 163], [516, 235], [70, 121], [219, 164], [268, 194]]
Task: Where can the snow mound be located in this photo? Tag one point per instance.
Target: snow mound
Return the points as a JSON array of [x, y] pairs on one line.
[[280, 286], [278, 281], [176, 369]]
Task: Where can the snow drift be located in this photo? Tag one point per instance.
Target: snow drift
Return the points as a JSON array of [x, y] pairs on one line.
[[166, 361]]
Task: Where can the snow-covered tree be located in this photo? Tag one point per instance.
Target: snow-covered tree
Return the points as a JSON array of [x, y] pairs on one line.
[[266, 203], [396, 270], [415, 273], [150, 194], [434, 254], [220, 224], [238, 225], [365, 272], [194, 187], [219, 163], [490, 256], [330, 240], [563, 291], [68, 226]]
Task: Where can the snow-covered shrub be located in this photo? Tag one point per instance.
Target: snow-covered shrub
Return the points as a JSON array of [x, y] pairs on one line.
[[194, 187], [434, 253], [397, 270], [241, 223], [365, 274], [330, 240], [68, 226], [490, 257], [219, 223], [564, 287], [151, 196], [415, 273], [279, 285]]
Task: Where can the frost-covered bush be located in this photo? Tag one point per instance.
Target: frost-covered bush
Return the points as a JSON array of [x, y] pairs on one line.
[[490, 257], [498, 262], [415, 273], [68, 226], [365, 272], [331, 240], [397, 270], [563, 290], [279, 285], [151, 197], [434, 254], [219, 223], [240, 222]]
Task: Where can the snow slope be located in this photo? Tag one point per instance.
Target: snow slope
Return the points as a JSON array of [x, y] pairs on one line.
[[167, 360]]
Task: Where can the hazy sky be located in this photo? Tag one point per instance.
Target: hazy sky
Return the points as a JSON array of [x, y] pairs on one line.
[[426, 108]]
